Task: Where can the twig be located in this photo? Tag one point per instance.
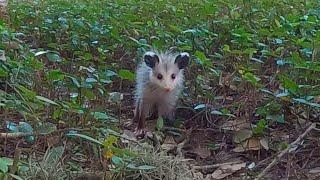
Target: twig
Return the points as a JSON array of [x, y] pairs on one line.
[[212, 166], [283, 152], [24, 134]]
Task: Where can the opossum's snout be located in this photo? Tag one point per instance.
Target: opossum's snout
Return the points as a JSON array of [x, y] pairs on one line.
[[167, 89]]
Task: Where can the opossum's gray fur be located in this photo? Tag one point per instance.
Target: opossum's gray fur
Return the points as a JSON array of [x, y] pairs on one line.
[[148, 91]]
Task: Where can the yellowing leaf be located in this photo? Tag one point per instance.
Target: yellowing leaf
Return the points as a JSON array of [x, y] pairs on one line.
[[109, 141], [108, 154]]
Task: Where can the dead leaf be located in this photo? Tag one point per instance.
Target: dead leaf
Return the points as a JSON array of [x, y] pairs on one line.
[[169, 140], [265, 144], [169, 143], [2, 56], [12, 45], [242, 135], [168, 147], [236, 125], [128, 135], [202, 152], [315, 170], [227, 169], [252, 144], [197, 175]]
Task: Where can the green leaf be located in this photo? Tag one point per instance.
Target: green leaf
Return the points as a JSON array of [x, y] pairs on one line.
[[8, 161], [100, 115], [41, 53], [115, 97], [203, 60], [55, 75], [216, 112], [289, 84], [72, 134], [200, 106], [30, 94], [251, 78], [110, 141], [46, 128], [25, 127], [74, 81], [110, 73], [16, 176], [91, 80], [53, 57], [126, 74], [303, 101], [3, 166], [159, 123], [116, 160], [145, 167], [277, 118], [46, 100], [13, 127]]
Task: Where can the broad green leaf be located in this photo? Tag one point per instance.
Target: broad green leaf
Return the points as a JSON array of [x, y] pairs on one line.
[[46, 100], [159, 123], [251, 78], [277, 118], [30, 94], [26, 127], [55, 75], [110, 73], [303, 101], [12, 126], [3, 166], [116, 160], [126, 74], [53, 57], [100, 115], [41, 53], [72, 134], [145, 167], [289, 84], [110, 141], [16, 176], [115, 97], [203, 60], [216, 112], [200, 106], [91, 80], [46, 128], [74, 81]]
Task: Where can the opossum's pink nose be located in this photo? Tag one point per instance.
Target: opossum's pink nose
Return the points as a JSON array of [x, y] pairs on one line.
[[167, 89]]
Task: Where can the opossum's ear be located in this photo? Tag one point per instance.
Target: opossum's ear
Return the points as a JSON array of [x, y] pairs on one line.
[[150, 58], [182, 60]]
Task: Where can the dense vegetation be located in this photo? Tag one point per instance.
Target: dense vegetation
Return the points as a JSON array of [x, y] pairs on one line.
[[67, 77]]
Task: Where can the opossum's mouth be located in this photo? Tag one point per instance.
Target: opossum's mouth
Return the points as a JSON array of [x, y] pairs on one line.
[[167, 89]]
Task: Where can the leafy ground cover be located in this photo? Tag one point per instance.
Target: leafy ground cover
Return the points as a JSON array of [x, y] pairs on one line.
[[67, 81]]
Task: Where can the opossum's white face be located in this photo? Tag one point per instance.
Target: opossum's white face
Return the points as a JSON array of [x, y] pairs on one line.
[[166, 69]]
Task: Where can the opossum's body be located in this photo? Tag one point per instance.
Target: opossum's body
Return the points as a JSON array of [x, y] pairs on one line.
[[159, 81]]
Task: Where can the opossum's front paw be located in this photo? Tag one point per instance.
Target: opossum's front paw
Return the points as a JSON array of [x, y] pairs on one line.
[[139, 133]]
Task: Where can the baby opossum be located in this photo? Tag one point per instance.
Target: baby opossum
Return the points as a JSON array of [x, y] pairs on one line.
[[159, 81]]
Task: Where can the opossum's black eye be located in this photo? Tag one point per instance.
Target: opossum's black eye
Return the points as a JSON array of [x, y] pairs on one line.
[[159, 76], [173, 76]]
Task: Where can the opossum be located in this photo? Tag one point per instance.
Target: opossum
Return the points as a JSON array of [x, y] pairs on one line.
[[159, 81]]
